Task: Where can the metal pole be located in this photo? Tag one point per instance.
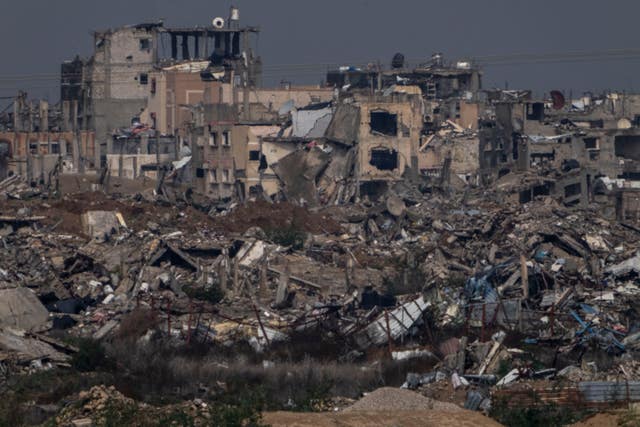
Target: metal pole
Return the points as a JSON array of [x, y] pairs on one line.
[[264, 332], [386, 318]]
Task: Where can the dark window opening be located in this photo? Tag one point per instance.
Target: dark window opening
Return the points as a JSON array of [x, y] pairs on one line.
[[525, 196], [591, 143], [55, 148], [543, 157], [636, 120], [514, 147], [374, 189], [384, 123], [153, 85], [535, 111], [542, 190], [145, 44], [384, 159], [199, 173], [144, 78], [263, 163], [632, 176], [254, 155], [572, 190], [628, 146], [503, 172]]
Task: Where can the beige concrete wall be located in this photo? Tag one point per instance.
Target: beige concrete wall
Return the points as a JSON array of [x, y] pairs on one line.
[[273, 99], [43, 144], [409, 116], [132, 164], [469, 113], [174, 90]]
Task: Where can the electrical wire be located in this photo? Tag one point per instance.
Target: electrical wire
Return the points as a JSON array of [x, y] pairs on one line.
[[293, 70]]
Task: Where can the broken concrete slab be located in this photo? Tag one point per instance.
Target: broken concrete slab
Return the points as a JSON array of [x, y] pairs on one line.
[[100, 225], [20, 308]]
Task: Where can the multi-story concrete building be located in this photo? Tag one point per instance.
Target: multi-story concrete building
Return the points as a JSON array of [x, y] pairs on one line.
[[113, 87]]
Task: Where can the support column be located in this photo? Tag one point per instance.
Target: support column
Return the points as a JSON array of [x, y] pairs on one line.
[[174, 46], [185, 47]]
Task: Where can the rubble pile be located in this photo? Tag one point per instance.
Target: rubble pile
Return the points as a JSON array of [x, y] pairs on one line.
[[106, 406], [489, 295]]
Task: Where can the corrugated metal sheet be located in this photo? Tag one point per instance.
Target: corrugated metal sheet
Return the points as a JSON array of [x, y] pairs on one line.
[[588, 395], [399, 321], [606, 391]]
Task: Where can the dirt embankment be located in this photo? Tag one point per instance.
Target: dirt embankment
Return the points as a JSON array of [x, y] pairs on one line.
[[277, 215], [415, 418], [66, 213]]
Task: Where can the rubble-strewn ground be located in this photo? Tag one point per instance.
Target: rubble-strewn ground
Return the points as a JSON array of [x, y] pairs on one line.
[[195, 311]]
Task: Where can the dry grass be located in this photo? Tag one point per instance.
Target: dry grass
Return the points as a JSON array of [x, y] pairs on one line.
[[152, 371], [136, 324]]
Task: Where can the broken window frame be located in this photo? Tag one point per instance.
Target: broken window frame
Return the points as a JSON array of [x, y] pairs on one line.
[[226, 138], [386, 126], [143, 78], [376, 158], [591, 143], [213, 139], [144, 44], [572, 190]]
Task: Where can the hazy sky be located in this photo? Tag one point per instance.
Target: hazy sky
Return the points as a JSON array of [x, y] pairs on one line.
[[39, 34]]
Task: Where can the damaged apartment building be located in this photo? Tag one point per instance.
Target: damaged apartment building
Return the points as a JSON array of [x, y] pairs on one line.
[[377, 128], [152, 99], [579, 151], [37, 140], [313, 153], [141, 79]]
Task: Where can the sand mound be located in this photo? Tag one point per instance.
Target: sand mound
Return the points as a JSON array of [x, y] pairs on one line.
[[397, 399]]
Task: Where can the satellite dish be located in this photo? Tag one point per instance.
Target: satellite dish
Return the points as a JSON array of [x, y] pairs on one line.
[[218, 23], [558, 99]]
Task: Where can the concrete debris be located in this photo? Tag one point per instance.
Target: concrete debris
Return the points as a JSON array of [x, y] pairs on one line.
[[21, 309], [486, 236]]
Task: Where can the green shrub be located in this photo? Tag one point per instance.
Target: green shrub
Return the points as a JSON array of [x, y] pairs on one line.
[[213, 294], [90, 356], [289, 236], [11, 411], [539, 415], [240, 409], [177, 418]]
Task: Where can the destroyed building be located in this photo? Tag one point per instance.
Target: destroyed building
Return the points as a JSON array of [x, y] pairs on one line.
[[36, 140], [131, 64], [400, 214]]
